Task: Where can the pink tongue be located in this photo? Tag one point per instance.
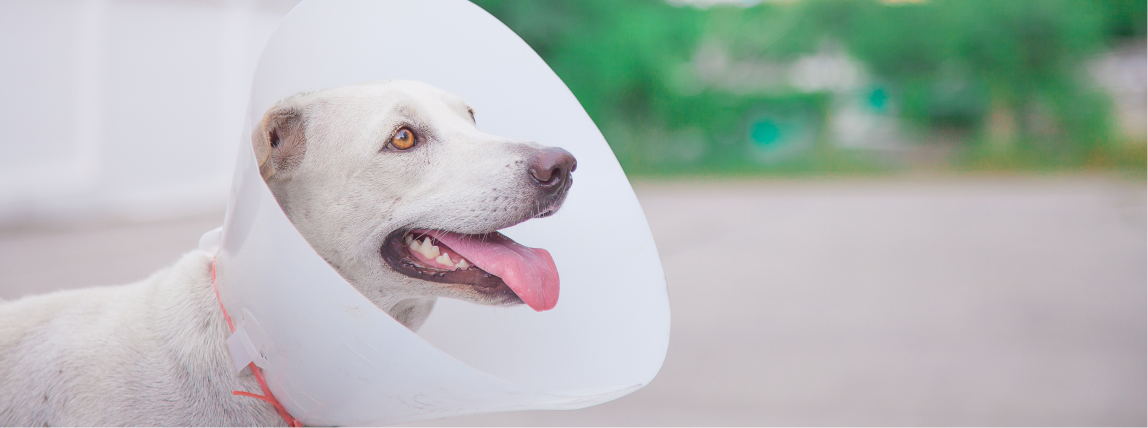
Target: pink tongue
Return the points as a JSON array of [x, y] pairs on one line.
[[530, 272]]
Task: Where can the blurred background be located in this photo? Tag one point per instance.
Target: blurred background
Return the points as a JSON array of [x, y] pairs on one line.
[[869, 212], [851, 87]]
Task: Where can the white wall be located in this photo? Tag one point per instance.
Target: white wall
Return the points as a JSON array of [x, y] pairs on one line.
[[123, 108]]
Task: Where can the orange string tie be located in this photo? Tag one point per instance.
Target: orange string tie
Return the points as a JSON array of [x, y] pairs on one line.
[[267, 396]]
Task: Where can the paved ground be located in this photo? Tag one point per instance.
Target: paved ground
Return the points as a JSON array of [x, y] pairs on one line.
[[969, 301]]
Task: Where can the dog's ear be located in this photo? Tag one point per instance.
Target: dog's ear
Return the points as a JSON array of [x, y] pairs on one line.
[[279, 141]]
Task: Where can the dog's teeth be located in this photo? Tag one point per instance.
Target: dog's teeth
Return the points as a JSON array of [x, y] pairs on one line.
[[408, 239], [444, 260], [414, 246], [462, 264], [427, 250]]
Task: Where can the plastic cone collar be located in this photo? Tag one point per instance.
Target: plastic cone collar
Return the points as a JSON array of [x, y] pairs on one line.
[[329, 355]]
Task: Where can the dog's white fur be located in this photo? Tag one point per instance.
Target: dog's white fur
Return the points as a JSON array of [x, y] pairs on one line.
[[153, 352]]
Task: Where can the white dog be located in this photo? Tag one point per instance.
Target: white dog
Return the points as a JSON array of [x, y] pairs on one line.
[[390, 182]]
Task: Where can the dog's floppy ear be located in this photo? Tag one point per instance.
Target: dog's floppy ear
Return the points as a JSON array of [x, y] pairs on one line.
[[279, 141]]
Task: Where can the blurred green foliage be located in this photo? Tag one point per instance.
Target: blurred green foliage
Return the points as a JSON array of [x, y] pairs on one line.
[[1002, 81]]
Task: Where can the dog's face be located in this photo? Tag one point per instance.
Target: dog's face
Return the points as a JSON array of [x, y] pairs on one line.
[[395, 187]]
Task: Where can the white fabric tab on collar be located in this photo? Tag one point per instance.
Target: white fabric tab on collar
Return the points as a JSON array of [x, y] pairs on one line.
[[243, 351]]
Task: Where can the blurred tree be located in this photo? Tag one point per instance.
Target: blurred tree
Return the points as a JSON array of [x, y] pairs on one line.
[[1125, 19], [1007, 73], [961, 63], [615, 56]]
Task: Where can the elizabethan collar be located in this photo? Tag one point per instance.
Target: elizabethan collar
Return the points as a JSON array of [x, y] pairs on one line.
[[329, 355]]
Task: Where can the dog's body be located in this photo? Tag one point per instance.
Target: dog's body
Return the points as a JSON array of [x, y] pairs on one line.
[[151, 353], [362, 172]]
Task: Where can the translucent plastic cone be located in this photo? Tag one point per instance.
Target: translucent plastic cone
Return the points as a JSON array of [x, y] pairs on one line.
[[329, 355]]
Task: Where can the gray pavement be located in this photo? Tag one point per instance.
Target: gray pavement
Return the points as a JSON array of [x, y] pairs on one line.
[[911, 301]]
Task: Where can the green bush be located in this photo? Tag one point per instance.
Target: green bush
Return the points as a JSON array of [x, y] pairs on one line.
[[951, 66]]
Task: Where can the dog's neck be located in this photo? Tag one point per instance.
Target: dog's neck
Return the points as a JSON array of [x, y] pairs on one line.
[[412, 312]]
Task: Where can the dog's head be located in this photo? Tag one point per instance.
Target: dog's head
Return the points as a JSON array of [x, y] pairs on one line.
[[395, 187]]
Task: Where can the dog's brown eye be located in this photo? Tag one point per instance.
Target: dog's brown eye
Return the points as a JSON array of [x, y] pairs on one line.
[[404, 139]]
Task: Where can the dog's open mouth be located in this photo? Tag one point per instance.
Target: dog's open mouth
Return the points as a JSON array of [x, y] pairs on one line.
[[490, 263]]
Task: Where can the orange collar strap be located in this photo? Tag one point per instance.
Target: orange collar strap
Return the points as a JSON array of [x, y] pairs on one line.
[[267, 396]]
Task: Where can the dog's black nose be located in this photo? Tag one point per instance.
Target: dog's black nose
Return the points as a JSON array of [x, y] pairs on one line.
[[551, 167]]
